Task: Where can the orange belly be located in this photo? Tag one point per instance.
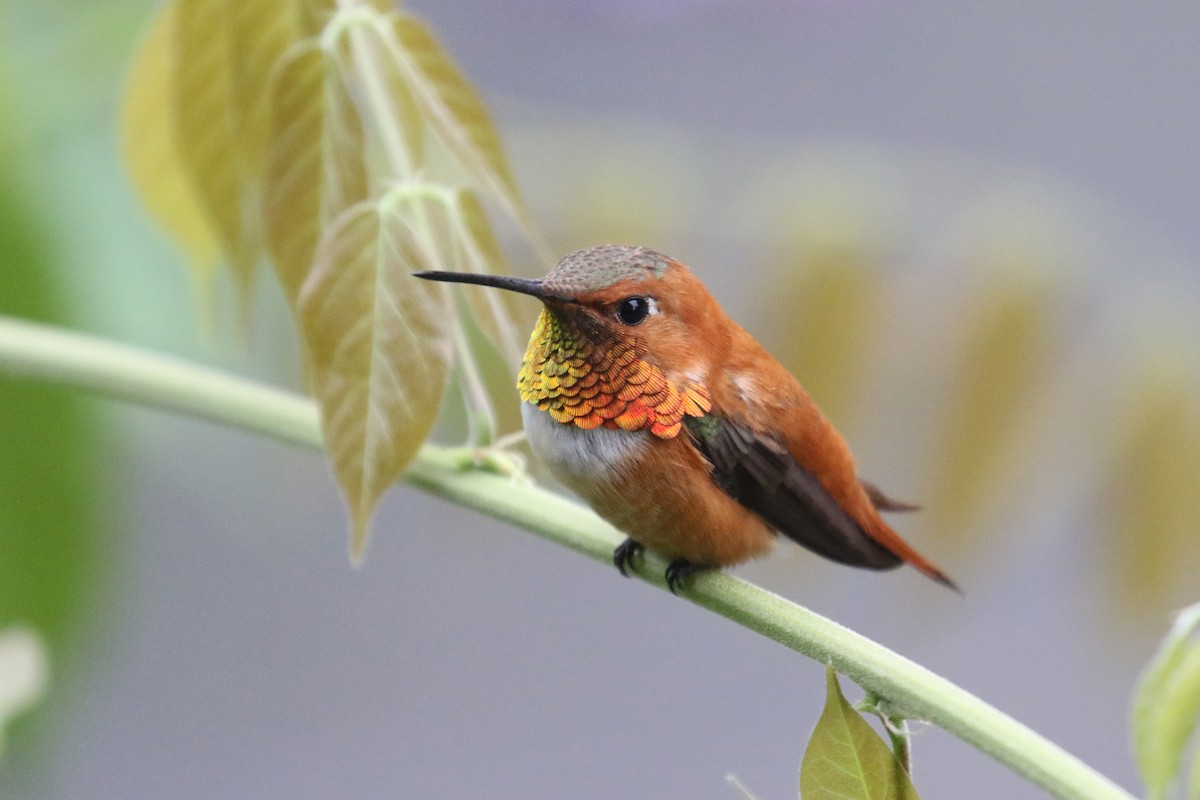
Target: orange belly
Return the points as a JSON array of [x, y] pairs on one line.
[[657, 491], [666, 501]]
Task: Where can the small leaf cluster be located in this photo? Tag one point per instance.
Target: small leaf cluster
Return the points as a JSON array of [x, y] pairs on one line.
[[337, 139]]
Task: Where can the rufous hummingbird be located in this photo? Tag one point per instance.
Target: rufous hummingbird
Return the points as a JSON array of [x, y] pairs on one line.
[[679, 428]]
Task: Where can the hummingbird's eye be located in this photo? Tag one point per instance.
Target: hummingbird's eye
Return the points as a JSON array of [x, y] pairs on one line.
[[632, 310]]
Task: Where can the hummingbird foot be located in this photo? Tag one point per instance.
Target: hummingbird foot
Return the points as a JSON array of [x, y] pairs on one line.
[[678, 571], [624, 555]]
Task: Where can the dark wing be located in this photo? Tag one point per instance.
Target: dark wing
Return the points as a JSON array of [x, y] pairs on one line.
[[762, 475]]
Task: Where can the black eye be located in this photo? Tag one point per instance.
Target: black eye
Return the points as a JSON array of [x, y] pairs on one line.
[[633, 310]]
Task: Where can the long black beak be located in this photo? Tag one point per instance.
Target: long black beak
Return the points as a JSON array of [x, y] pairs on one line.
[[521, 285]]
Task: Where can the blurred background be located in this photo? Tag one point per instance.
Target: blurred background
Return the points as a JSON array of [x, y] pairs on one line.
[[972, 234]]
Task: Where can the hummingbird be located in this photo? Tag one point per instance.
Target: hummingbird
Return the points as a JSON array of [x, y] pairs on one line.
[[677, 427]]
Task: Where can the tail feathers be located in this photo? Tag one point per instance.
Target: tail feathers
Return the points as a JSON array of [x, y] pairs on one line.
[[891, 540], [884, 503]]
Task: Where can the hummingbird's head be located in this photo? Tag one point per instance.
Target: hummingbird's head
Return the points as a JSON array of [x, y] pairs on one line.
[[624, 331], [613, 293]]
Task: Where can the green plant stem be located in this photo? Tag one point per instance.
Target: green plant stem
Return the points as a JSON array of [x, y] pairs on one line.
[[898, 732], [913, 691], [896, 727]]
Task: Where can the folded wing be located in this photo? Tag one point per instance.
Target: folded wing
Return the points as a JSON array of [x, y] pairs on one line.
[[762, 475]]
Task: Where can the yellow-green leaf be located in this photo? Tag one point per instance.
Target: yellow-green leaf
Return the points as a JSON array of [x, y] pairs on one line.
[[262, 31], [378, 351], [429, 213], [1167, 704], [456, 112], [150, 151], [315, 168], [316, 14], [490, 308], [845, 758], [370, 60], [1179, 712], [206, 110]]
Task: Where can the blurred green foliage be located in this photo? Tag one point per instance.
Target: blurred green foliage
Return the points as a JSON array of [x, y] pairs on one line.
[[1007, 347], [823, 323], [1151, 486], [52, 532]]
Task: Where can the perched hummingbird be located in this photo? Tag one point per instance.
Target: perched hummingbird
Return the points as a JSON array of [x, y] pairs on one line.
[[679, 428]]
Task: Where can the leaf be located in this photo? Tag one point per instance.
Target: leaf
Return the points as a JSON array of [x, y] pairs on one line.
[[429, 212], [1179, 712], [316, 14], [204, 97], [378, 351], [224, 51], [150, 151], [371, 62], [315, 168], [456, 113], [197, 121], [263, 31], [845, 758], [1166, 705], [483, 254]]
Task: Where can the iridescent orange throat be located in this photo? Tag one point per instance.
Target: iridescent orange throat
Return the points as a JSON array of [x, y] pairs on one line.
[[591, 383]]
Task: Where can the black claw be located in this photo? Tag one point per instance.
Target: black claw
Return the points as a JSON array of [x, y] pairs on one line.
[[624, 554], [678, 571]]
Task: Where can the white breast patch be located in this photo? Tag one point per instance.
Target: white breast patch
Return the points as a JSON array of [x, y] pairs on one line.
[[576, 455]]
